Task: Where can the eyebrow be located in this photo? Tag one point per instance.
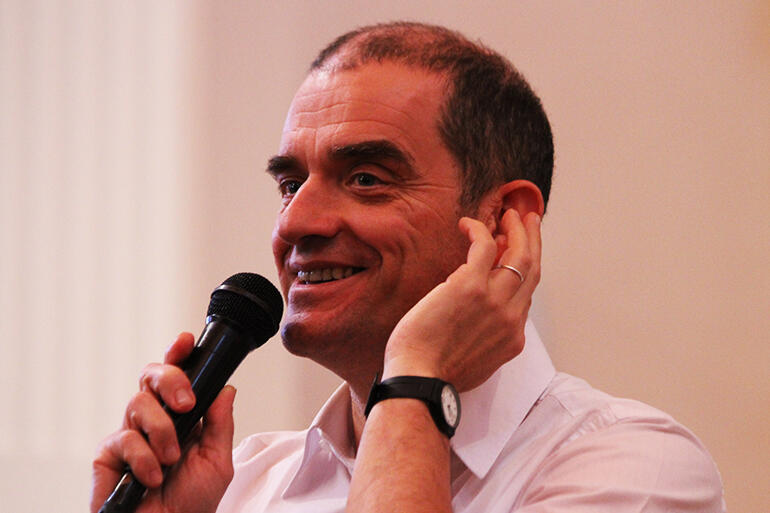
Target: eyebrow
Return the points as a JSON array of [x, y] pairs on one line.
[[375, 150], [379, 149], [280, 163]]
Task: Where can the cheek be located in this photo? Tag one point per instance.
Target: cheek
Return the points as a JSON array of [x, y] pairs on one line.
[[392, 236], [427, 242]]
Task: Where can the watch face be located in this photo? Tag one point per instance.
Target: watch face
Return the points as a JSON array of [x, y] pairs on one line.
[[449, 405]]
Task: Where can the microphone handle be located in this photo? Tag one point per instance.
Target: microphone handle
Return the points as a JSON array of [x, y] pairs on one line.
[[219, 351]]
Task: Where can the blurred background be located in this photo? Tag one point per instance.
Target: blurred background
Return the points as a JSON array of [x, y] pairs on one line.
[[133, 138]]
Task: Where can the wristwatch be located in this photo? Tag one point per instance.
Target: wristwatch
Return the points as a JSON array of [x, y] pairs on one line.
[[441, 397]]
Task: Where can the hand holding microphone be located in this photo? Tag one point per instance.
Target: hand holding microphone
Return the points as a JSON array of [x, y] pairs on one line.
[[244, 312]]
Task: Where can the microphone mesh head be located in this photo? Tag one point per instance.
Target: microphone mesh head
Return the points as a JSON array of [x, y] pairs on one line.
[[251, 301]]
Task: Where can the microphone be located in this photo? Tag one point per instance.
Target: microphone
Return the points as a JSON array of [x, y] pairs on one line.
[[244, 312]]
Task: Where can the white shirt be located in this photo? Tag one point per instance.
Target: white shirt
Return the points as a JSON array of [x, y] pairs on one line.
[[530, 440]]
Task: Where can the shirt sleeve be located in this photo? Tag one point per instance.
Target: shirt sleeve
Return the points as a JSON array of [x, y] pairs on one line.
[[633, 466]]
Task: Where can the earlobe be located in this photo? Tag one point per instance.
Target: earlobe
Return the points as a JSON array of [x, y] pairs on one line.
[[522, 195]]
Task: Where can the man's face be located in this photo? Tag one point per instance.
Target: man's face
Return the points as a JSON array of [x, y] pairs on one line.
[[368, 220]]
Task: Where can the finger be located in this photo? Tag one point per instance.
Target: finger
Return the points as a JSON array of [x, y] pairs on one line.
[[216, 437], [180, 349], [129, 447], [169, 383], [517, 251], [516, 254], [502, 245], [218, 426], [106, 471], [534, 236], [483, 248], [534, 239], [146, 415]]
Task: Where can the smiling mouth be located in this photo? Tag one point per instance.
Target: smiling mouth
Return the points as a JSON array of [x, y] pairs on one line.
[[326, 275]]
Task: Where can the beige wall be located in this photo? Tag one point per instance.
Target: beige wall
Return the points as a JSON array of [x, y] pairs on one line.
[[133, 142]]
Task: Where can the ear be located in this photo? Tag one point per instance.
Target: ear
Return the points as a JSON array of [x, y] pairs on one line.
[[522, 195]]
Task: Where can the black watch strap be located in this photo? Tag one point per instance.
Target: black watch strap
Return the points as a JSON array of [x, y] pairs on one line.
[[428, 390]]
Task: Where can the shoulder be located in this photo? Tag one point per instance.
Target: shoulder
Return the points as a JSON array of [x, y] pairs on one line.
[[624, 451]]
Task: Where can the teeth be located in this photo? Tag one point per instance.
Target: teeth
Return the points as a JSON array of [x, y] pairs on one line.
[[321, 275]]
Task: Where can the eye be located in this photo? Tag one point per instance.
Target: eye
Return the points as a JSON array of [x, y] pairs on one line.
[[289, 187], [366, 180]]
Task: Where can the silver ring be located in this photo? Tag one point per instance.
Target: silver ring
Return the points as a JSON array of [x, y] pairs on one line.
[[511, 268]]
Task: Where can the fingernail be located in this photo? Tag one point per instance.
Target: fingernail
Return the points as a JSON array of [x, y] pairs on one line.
[[183, 397]]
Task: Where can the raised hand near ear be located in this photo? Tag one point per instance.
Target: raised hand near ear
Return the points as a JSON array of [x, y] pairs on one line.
[[468, 326]]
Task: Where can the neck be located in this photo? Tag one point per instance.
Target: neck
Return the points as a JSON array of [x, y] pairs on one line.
[[359, 393], [359, 374]]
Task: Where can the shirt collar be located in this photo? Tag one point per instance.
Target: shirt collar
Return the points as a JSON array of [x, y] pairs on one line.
[[491, 413], [327, 438]]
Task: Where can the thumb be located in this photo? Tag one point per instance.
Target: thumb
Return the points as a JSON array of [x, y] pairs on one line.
[[218, 425]]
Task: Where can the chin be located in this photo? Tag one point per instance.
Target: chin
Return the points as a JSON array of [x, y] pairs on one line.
[[340, 351], [296, 338], [303, 339]]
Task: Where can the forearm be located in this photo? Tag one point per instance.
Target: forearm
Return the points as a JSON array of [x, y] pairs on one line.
[[402, 462], [460, 332]]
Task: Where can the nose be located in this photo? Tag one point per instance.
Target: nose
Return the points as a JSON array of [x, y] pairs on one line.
[[310, 214]]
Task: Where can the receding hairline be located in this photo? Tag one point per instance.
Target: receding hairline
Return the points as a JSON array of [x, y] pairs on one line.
[[430, 47], [492, 121]]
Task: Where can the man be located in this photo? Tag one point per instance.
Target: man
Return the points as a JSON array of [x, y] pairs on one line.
[[414, 168]]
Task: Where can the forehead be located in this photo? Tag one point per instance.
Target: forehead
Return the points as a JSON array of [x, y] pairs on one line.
[[373, 102]]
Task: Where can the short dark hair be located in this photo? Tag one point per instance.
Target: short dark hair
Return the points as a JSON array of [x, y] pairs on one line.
[[491, 121]]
